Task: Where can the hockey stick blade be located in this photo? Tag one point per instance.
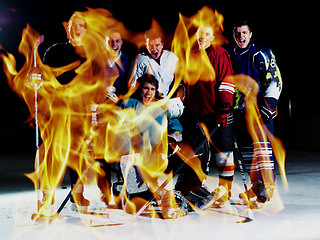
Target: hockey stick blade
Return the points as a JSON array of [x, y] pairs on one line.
[[246, 220], [249, 218], [122, 218]]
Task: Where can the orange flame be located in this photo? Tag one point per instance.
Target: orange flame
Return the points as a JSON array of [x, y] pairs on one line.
[[71, 137], [195, 64], [256, 127]]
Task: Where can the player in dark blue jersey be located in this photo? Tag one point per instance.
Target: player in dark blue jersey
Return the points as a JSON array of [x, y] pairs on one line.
[[260, 64]]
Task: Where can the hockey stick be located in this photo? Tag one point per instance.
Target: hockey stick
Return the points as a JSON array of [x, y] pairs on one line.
[[74, 188], [36, 87], [126, 218], [242, 171]]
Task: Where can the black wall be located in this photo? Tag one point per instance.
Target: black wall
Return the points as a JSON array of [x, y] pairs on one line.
[[289, 29]]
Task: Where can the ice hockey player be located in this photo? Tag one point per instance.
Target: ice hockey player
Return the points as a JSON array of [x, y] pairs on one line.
[[73, 53], [161, 64], [210, 101], [62, 54], [260, 64], [147, 139]]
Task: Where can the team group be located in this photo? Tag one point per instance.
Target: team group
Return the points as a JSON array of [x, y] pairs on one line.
[[211, 100]]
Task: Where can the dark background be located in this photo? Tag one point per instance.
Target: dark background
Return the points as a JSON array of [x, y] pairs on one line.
[[289, 29]]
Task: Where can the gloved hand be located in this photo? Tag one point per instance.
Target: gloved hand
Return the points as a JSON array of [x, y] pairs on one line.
[[224, 119], [111, 94], [268, 109], [174, 108]]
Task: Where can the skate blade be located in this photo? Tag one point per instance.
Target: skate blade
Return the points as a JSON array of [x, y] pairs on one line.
[[122, 218]]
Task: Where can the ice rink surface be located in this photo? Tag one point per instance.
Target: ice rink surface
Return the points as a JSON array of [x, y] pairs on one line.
[[291, 214]]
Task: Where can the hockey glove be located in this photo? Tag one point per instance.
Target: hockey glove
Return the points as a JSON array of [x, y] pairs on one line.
[[224, 119], [224, 115], [268, 109]]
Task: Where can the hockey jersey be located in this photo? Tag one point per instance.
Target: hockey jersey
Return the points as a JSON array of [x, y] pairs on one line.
[[214, 96], [163, 72], [118, 73], [150, 121], [260, 64]]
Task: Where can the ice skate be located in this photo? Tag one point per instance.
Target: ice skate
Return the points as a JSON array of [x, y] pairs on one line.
[[203, 199], [47, 208], [258, 195], [224, 199], [264, 199], [173, 204], [198, 196], [109, 201], [81, 204], [47, 205]]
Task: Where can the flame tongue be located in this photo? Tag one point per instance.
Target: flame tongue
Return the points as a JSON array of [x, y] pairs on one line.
[[65, 115], [63, 110], [257, 129], [77, 126]]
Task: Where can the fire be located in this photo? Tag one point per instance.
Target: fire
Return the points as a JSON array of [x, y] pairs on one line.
[[78, 126], [61, 111], [194, 63], [257, 129], [193, 66]]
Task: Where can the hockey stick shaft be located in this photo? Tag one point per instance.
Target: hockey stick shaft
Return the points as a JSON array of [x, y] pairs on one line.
[[35, 49], [242, 172], [240, 162], [164, 184]]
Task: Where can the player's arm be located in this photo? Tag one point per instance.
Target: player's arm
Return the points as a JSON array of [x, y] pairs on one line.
[[224, 103], [274, 84]]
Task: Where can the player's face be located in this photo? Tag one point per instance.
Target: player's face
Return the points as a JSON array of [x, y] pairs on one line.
[[148, 93], [114, 43], [78, 29], [205, 37], [242, 36], [155, 47]]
